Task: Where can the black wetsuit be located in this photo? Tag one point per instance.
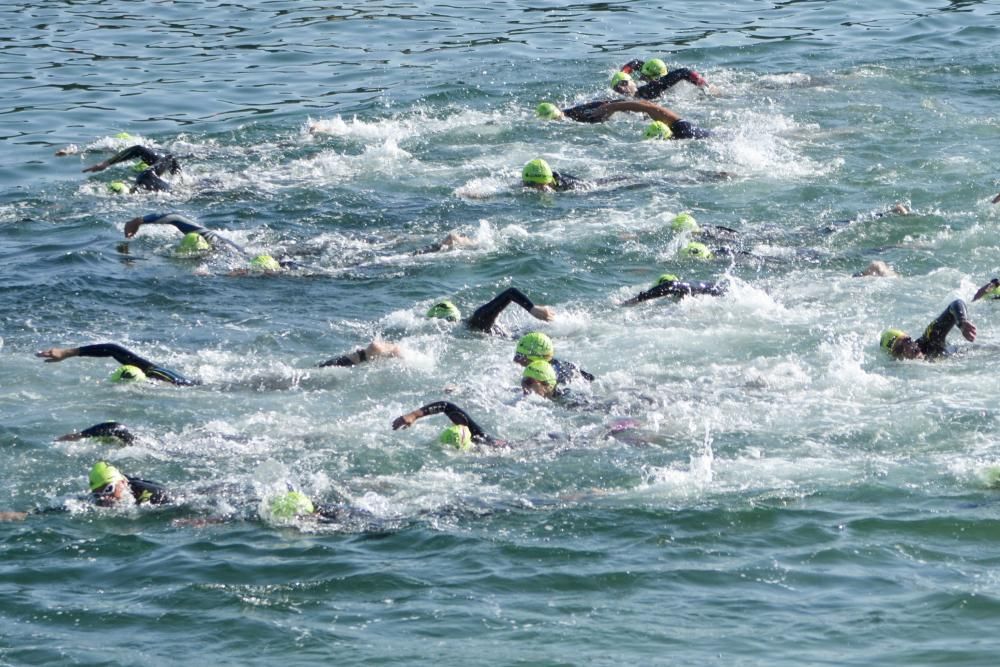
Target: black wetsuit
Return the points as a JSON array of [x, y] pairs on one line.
[[109, 430], [185, 226], [677, 288], [458, 416], [932, 343], [127, 358], [484, 318], [148, 179], [567, 372], [145, 491], [655, 88]]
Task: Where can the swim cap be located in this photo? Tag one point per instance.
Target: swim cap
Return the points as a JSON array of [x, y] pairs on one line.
[[445, 310], [264, 263], [127, 373], [666, 278], [619, 77], [548, 111], [684, 222], [542, 371], [290, 505], [123, 135], [698, 250], [102, 474], [458, 436], [889, 337], [535, 345], [193, 242], [140, 166], [118, 187], [657, 130], [537, 171], [654, 69]]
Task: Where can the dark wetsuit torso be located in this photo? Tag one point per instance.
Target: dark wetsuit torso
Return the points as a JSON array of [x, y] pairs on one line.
[[566, 371], [127, 358], [109, 430], [145, 491], [484, 318], [677, 289], [458, 416], [588, 113], [932, 343], [148, 179]]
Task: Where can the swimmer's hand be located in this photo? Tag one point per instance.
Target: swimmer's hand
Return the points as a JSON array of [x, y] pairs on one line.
[[100, 166], [968, 330], [981, 292], [543, 313], [404, 421], [132, 226], [56, 354], [13, 516]]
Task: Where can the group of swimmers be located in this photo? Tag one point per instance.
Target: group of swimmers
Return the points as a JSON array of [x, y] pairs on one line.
[[543, 374]]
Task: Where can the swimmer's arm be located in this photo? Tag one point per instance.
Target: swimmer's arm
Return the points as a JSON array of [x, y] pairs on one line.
[[102, 430], [374, 350], [996, 200], [183, 224], [456, 414], [632, 66], [654, 111], [991, 285], [133, 152], [13, 516], [668, 288]]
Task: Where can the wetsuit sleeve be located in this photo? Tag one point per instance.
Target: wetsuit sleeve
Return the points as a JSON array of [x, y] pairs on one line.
[[146, 492], [185, 226], [109, 430], [654, 89], [346, 360], [134, 153], [566, 182], [151, 181], [932, 343], [126, 357], [591, 112], [676, 288], [632, 66], [458, 416], [485, 317], [567, 371], [683, 129]]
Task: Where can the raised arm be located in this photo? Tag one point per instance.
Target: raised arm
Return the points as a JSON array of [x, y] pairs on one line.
[[654, 89], [485, 316], [102, 430], [456, 414], [131, 153], [183, 224]]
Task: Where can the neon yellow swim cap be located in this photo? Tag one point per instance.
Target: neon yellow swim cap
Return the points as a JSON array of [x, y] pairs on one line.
[[264, 263], [654, 69], [685, 222], [535, 345], [102, 474], [140, 166], [657, 130], [124, 136], [542, 371], [548, 111], [666, 278], [127, 373], [118, 187], [445, 310], [193, 242], [458, 436], [889, 337], [289, 505], [698, 251], [618, 78], [538, 172]]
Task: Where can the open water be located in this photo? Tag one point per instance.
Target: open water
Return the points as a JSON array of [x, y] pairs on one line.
[[786, 495]]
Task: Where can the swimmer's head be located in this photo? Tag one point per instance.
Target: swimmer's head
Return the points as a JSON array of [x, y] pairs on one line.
[[899, 345], [118, 188], [124, 136], [128, 373], [289, 505], [458, 436], [532, 347], [697, 251], [445, 310], [657, 130], [103, 475], [685, 222], [623, 84], [193, 242], [653, 68], [539, 377], [666, 278], [548, 111], [264, 264], [537, 172]]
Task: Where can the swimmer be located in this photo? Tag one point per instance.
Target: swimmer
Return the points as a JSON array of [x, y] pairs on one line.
[[149, 177], [104, 430], [483, 320], [539, 377], [879, 269], [535, 346], [672, 286], [133, 367], [286, 507], [932, 344], [538, 175], [461, 435], [990, 289], [656, 76], [601, 110]]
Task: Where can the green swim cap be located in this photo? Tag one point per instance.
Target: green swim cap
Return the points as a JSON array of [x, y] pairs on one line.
[[445, 310], [542, 371], [193, 242], [140, 166], [458, 436], [619, 77], [537, 171], [666, 278], [548, 111], [127, 373], [657, 130], [654, 69], [102, 474], [118, 187], [684, 222], [697, 250], [289, 505], [264, 263], [123, 135], [535, 345], [889, 337]]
